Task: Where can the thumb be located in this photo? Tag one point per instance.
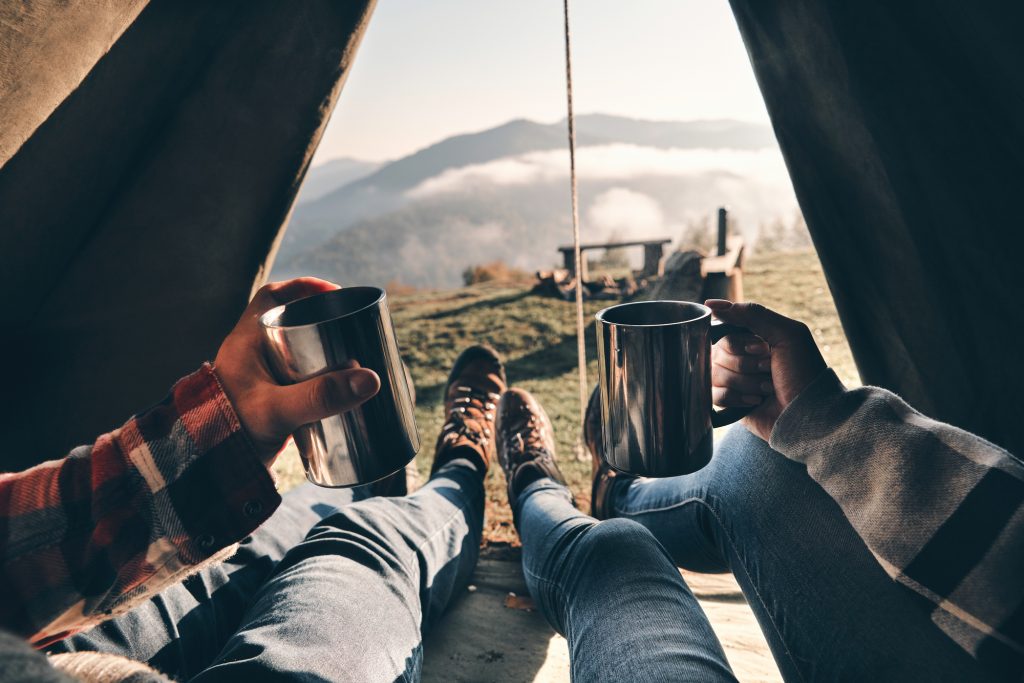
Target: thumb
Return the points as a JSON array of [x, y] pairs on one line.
[[764, 322], [320, 397]]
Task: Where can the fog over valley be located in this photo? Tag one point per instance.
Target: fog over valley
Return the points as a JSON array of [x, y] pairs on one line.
[[502, 194]]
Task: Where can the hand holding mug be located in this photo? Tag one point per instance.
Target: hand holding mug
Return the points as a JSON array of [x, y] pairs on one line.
[[654, 375], [324, 335], [768, 368], [269, 411]]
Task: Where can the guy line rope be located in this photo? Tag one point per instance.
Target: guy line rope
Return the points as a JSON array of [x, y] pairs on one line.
[[581, 348]]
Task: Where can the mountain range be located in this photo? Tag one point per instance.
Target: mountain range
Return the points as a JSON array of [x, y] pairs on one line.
[[502, 193], [333, 174]]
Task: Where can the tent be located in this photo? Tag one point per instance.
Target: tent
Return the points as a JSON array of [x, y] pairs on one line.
[[151, 150]]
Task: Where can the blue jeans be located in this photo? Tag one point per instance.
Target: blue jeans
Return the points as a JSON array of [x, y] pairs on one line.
[[828, 610], [351, 599], [330, 588]]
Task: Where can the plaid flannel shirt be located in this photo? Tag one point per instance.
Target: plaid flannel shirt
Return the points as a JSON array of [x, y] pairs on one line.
[[942, 510], [92, 535]]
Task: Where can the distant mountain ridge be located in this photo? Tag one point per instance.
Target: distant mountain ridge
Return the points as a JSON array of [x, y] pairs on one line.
[[701, 133], [383, 190], [522, 135], [373, 229], [331, 175]]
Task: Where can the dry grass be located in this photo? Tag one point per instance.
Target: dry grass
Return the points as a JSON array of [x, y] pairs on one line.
[[537, 338], [496, 272]]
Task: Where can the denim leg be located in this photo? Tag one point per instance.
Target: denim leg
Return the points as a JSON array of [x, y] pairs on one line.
[[181, 630], [828, 610], [353, 599], [614, 593]]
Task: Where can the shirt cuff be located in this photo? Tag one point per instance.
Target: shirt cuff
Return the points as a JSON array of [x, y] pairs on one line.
[[812, 416], [209, 486]]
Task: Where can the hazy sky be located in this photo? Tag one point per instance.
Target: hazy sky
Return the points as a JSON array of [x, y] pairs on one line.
[[428, 69]]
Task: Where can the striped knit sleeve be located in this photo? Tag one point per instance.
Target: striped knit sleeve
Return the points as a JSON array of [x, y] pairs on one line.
[[93, 534], [942, 510]]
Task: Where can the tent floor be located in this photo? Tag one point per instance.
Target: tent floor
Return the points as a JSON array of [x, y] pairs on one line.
[[472, 643]]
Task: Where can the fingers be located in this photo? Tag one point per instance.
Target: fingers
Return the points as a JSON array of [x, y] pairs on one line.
[[336, 392], [276, 293], [759, 383], [745, 353], [741, 365], [794, 356], [289, 290], [729, 388], [741, 362], [765, 323], [729, 398], [742, 344]]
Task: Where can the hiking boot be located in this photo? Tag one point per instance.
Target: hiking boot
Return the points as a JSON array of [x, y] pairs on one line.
[[526, 442], [603, 476], [470, 401]]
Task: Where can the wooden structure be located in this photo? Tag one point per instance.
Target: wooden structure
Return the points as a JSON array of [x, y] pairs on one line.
[[654, 252], [691, 276], [687, 275], [723, 273]]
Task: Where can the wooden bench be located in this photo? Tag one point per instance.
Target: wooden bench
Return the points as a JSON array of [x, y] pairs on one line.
[[654, 252]]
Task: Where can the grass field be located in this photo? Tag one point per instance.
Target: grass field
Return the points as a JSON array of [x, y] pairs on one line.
[[537, 338]]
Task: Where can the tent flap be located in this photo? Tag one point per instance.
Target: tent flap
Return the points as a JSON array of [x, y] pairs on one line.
[[145, 208], [901, 125]]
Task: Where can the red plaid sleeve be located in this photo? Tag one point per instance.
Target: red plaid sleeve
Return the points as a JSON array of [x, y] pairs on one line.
[[89, 536]]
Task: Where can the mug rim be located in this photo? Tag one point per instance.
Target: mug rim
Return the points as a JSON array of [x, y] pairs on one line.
[[269, 318], [705, 313]]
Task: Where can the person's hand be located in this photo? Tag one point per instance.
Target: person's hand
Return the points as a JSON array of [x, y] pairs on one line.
[[768, 368], [269, 412]]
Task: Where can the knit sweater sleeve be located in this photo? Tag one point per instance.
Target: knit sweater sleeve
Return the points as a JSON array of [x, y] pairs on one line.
[[942, 510]]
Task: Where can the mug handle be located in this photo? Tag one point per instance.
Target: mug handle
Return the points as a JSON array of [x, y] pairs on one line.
[[726, 416]]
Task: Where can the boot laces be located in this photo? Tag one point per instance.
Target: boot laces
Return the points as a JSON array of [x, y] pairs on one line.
[[471, 416], [522, 449]]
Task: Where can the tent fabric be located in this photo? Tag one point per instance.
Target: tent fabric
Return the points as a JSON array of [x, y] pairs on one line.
[[151, 152], [902, 125], [36, 37]]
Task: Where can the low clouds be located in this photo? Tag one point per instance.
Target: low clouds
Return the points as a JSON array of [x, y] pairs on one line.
[[608, 162], [516, 209], [653, 192], [622, 213]]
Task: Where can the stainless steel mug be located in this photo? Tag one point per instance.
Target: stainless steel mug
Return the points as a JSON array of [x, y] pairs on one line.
[[654, 366], [311, 336]]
